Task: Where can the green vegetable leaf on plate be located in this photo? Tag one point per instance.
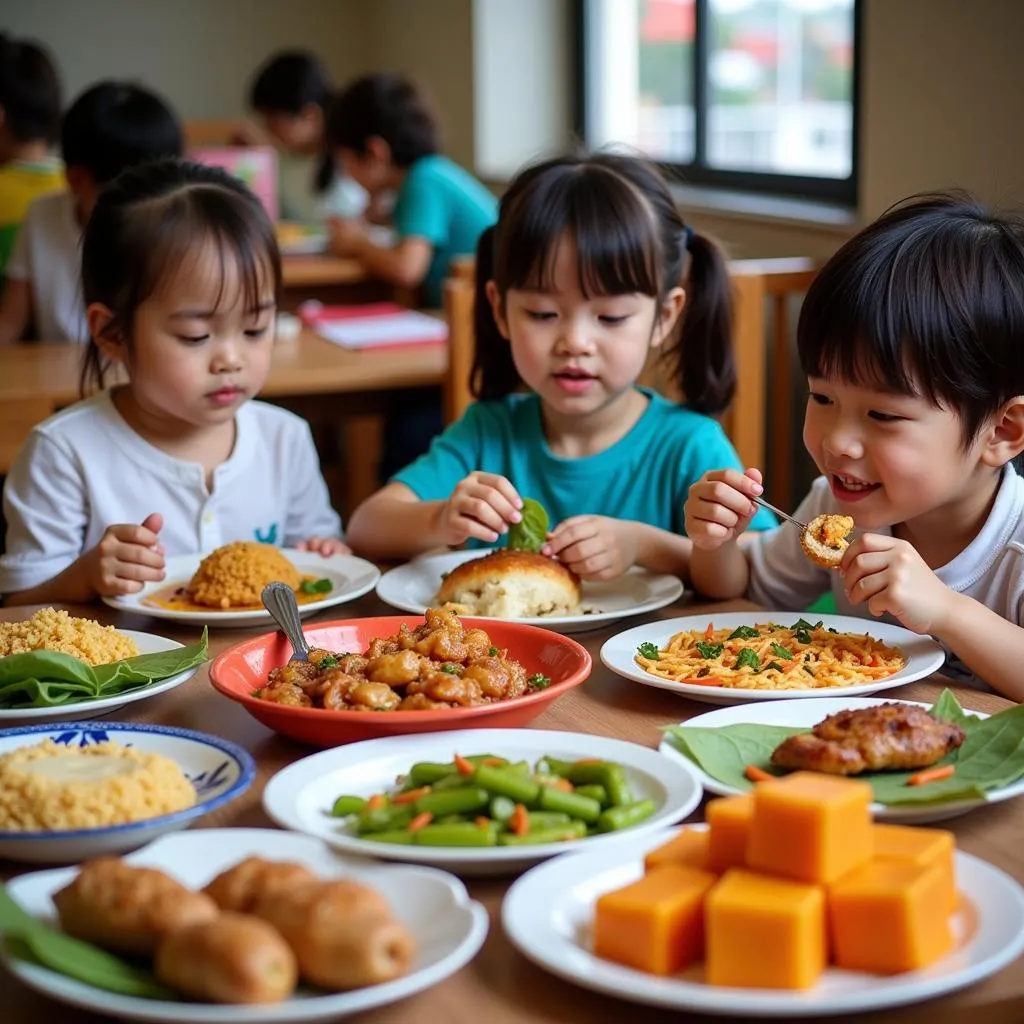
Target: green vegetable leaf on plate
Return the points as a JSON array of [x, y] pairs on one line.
[[991, 756], [649, 651], [46, 679], [29, 939], [312, 587], [530, 533]]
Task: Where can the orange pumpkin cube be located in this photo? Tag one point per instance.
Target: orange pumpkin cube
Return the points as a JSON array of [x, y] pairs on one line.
[[890, 916], [729, 821], [810, 827], [689, 849], [764, 932], [655, 924], [923, 846]]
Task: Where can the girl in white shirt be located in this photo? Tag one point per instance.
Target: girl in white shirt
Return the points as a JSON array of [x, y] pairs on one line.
[[912, 339], [180, 274]]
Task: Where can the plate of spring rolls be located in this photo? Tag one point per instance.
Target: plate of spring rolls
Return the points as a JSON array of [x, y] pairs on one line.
[[480, 801], [229, 925]]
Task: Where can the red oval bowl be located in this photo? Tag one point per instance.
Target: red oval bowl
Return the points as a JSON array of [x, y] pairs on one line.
[[243, 668]]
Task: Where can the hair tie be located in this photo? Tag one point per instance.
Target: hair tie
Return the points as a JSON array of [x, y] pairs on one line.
[[687, 236]]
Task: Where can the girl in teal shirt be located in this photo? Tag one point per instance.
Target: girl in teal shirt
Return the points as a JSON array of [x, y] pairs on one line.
[[590, 267]]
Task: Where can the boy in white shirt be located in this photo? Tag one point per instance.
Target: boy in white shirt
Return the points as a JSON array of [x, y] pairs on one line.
[[111, 126]]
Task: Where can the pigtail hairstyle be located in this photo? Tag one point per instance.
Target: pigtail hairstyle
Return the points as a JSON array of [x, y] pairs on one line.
[[630, 238]]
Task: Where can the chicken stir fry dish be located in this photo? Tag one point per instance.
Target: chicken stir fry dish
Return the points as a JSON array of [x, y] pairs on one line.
[[439, 664]]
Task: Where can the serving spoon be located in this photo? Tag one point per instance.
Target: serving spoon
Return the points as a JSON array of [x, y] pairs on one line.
[[279, 599]]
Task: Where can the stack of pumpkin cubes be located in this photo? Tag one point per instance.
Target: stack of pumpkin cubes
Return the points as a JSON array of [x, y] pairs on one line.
[[785, 881]]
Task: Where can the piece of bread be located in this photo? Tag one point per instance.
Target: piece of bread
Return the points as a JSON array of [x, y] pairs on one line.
[[511, 585], [824, 541]]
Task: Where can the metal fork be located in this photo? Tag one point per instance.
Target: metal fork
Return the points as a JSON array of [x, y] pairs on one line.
[[279, 600], [778, 511]]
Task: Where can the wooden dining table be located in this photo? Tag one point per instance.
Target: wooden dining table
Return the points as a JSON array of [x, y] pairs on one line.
[[500, 986]]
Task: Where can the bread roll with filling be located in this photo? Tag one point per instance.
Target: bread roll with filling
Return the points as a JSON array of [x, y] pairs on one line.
[[824, 541], [511, 585]]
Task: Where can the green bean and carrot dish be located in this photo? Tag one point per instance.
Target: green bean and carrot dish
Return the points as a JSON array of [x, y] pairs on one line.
[[483, 800]]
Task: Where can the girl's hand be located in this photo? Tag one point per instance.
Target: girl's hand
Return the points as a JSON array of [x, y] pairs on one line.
[[718, 508], [127, 557], [893, 578], [345, 236], [481, 506], [594, 547], [325, 546]]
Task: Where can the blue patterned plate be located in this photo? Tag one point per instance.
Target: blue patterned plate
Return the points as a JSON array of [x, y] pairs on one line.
[[218, 770]]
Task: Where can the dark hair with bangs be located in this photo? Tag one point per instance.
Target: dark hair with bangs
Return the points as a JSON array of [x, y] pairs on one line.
[[29, 91], [385, 106], [630, 238], [928, 300], [149, 221]]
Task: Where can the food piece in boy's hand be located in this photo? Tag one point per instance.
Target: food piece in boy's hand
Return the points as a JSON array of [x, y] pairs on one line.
[[530, 533], [824, 541], [232, 958], [896, 736]]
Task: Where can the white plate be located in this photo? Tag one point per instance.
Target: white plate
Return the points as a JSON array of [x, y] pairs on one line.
[[147, 643], [448, 927], [922, 654], [413, 588], [352, 577], [300, 796], [218, 770], [547, 914], [807, 713]]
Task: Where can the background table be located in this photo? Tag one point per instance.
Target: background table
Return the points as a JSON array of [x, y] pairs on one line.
[[500, 986]]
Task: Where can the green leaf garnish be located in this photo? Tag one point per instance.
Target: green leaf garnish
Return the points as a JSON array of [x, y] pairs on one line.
[[991, 756], [324, 586], [707, 649], [328, 662], [531, 532], [46, 679], [538, 681], [773, 665], [743, 633], [493, 652], [782, 652], [649, 651], [748, 656]]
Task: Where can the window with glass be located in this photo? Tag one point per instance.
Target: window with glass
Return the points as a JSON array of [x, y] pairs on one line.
[[752, 94]]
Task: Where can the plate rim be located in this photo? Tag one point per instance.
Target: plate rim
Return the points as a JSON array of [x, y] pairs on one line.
[[15, 715], [369, 997], [369, 573], [674, 591], [737, 1001], [904, 812], [931, 651], [294, 778], [243, 759]]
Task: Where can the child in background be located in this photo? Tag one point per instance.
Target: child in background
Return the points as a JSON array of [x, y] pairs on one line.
[[180, 273], [590, 262], [291, 93], [111, 126], [386, 139], [29, 120], [912, 339]]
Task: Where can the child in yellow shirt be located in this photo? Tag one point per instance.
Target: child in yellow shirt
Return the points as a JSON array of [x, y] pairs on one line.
[[29, 120]]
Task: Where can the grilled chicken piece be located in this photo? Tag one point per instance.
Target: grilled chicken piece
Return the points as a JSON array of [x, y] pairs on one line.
[[893, 736]]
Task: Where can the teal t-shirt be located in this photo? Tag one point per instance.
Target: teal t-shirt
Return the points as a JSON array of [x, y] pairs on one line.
[[446, 205], [643, 477]]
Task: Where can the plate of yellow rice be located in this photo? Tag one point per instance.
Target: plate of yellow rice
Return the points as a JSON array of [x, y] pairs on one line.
[[223, 587], [50, 629]]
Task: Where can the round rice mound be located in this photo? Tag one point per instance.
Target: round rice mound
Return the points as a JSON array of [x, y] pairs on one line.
[[145, 786], [52, 630], [234, 576]]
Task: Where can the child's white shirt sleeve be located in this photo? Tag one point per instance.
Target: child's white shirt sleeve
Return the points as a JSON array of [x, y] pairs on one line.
[[781, 576], [309, 508], [46, 511]]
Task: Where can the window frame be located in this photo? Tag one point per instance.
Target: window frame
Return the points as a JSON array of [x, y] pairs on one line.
[[840, 191]]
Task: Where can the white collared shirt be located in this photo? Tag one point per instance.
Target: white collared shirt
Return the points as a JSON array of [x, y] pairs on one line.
[[85, 469]]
